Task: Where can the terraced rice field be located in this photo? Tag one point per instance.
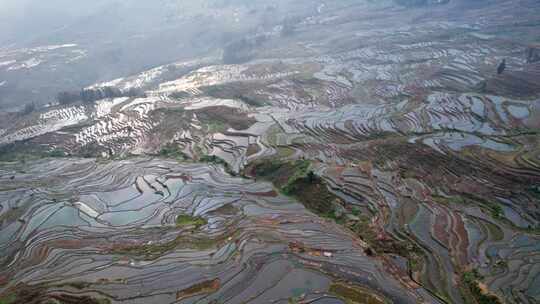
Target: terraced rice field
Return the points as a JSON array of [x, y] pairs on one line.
[[374, 156]]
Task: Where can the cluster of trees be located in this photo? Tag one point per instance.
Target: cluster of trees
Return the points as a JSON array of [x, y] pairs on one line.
[[242, 50], [91, 95], [87, 96], [28, 108]]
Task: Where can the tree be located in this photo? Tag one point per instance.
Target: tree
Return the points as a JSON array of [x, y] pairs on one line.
[[502, 67], [68, 97], [28, 108], [311, 177], [91, 95]]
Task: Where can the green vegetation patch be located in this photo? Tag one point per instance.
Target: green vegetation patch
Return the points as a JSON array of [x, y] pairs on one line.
[[354, 294], [470, 280], [497, 211], [222, 117], [294, 178], [8, 299], [184, 240], [24, 293], [79, 284], [24, 151], [180, 95], [405, 249], [156, 250], [495, 233], [216, 127], [173, 151], [535, 191], [216, 160], [205, 287], [235, 91], [283, 174], [188, 220]]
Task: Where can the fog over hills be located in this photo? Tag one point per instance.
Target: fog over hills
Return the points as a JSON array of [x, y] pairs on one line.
[[115, 38]]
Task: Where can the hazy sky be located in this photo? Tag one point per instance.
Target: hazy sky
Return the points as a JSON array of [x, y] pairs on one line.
[[17, 7], [21, 20]]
